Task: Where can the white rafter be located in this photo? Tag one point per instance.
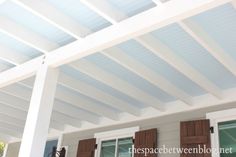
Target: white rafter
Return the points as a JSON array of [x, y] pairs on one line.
[[202, 37], [17, 94], [165, 53], [86, 104], [97, 73], [53, 16], [145, 22], [106, 10], [97, 94], [12, 56], [146, 73], [26, 36]]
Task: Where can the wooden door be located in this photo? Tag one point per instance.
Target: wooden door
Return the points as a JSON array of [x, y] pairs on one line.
[[86, 148]]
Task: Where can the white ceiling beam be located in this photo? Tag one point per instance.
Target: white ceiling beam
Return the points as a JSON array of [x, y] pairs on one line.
[[66, 119], [26, 36], [20, 72], [86, 104], [207, 42], [55, 17], [82, 88], [20, 92], [78, 114], [140, 24], [97, 94], [12, 56], [97, 73], [165, 53], [106, 10], [146, 73], [16, 113]]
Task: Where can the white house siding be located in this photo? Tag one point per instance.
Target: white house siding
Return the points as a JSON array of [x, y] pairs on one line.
[[168, 130]]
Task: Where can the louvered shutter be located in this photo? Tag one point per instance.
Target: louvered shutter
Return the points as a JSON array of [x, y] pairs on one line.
[[194, 133], [145, 139], [86, 148]]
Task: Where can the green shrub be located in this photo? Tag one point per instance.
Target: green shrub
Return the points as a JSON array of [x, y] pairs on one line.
[[2, 145]]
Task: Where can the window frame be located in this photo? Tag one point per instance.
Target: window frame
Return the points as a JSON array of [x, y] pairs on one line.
[[113, 135], [215, 118]]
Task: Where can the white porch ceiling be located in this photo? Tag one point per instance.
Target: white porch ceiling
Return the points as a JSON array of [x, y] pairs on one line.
[[185, 62]]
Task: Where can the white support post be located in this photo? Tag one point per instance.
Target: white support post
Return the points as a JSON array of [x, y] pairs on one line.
[[39, 114]]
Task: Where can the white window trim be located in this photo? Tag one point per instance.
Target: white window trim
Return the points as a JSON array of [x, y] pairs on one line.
[[114, 134], [215, 118]]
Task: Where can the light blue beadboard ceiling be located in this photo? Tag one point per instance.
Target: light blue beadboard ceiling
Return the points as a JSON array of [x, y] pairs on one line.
[[220, 23], [137, 51], [188, 49], [4, 65], [33, 23], [132, 7], [128, 76], [81, 13], [18, 47], [101, 86]]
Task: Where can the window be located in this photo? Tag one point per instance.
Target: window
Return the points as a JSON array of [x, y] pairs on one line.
[[115, 143]]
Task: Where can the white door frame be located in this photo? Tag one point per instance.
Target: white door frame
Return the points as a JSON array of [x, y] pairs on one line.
[[215, 118]]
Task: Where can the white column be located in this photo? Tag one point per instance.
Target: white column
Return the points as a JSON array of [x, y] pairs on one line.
[[39, 114]]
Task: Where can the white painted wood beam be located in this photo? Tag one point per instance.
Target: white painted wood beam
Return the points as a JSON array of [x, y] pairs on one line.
[[106, 10], [14, 101], [165, 53], [145, 22], [207, 42], [26, 36], [55, 17], [86, 104], [66, 119], [20, 72], [97, 73], [146, 73], [22, 94], [97, 94], [39, 114], [12, 56], [76, 113], [140, 24]]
